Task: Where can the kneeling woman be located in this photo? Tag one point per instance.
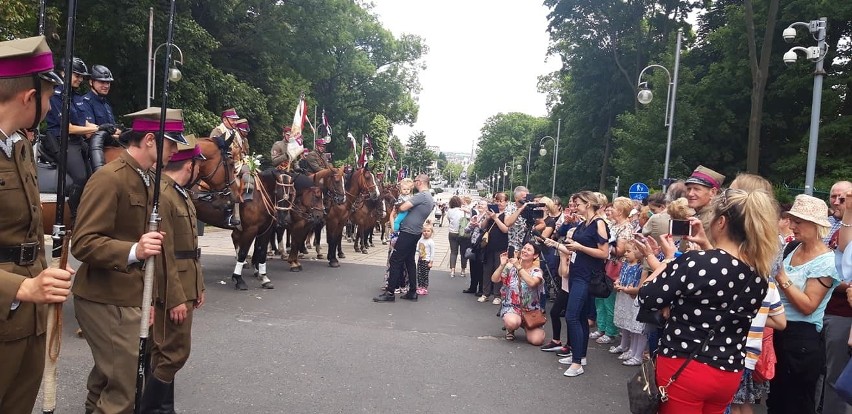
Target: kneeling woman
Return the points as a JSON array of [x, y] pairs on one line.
[[522, 288]]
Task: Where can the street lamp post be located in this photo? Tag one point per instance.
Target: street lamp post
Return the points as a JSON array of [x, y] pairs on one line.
[[529, 155], [542, 151], [174, 72], [815, 54], [645, 96]]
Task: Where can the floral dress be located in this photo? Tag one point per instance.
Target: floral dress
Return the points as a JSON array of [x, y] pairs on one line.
[[625, 305], [516, 294]]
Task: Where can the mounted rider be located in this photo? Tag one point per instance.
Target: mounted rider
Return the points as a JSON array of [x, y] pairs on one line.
[[283, 182], [225, 131]]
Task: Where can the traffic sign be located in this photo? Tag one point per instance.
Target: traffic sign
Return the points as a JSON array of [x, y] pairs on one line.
[[638, 191]]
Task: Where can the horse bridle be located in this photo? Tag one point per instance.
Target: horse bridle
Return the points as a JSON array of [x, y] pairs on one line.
[[338, 197], [229, 176], [365, 191]]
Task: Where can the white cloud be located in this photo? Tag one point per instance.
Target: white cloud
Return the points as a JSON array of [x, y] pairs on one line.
[[484, 58]]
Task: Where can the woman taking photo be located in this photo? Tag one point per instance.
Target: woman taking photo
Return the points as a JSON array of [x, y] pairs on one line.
[[710, 298], [805, 277], [498, 242], [522, 286], [621, 233], [591, 248]]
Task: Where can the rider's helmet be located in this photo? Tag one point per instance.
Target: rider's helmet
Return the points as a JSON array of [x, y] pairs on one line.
[[101, 73], [79, 67]]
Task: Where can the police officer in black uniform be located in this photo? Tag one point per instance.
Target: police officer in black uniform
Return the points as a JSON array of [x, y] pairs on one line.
[[78, 127], [95, 105]]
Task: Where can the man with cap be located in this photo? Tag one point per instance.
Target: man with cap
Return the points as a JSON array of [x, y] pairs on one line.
[[701, 187], [179, 285], [222, 133], [26, 283], [112, 241], [240, 151], [314, 161]]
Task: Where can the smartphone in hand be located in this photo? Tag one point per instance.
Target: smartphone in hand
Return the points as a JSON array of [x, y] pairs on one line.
[[493, 208], [680, 228]]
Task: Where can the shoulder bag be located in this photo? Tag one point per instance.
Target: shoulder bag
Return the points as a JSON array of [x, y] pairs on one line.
[[483, 242], [600, 285]]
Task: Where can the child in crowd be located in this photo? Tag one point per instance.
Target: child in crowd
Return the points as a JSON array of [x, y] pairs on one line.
[[395, 219], [633, 341], [425, 253]]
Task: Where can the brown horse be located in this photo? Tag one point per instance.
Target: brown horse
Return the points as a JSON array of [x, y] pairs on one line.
[[365, 194], [390, 193], [333, 186], [307, 213]]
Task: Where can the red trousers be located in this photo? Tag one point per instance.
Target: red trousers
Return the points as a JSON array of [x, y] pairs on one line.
[[700, 388]]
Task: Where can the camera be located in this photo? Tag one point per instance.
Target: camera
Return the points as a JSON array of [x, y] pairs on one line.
[[680, 228], [533, 212]]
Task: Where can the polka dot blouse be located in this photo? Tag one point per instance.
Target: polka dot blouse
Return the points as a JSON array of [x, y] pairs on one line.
[[702, 287]]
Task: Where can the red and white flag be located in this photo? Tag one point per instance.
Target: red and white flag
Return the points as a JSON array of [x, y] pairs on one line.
[[325, 129], [295, 147], [391, 153], [354, 145]]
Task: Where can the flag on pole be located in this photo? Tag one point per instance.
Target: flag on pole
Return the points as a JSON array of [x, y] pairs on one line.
[[325, 129], [354, 146], [368, 145], [295, 147], [400, 175], [391, 153]]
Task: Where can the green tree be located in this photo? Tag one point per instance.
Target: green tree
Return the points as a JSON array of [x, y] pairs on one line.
[[417, 156]]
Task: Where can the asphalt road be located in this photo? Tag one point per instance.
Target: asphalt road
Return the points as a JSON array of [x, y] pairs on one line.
[[318, 344]]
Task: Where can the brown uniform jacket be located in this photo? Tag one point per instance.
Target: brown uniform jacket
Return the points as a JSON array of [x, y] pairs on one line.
[[181, 280], [314, 162], [113, 215], [279, 153], [20, 222]]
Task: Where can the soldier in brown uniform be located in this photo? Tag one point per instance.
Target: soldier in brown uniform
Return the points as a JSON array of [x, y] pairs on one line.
[[26, 284], [314, 161], [179, 284], [112, 241]]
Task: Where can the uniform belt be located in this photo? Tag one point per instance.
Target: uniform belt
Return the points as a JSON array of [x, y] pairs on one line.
[[188, 254], [24, 255]]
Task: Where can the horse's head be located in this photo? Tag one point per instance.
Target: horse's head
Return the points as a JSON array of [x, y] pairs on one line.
[[311, 201], [368, 184], [217, 171]]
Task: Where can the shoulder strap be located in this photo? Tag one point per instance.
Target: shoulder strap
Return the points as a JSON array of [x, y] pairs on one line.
[[790, 247]]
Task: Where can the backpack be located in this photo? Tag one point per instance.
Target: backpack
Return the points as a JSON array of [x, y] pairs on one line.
[[464, 222]]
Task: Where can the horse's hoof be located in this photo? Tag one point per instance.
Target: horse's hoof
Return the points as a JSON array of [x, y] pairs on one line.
[[334, 264], [296, 268], [320, 256], [341, 255], [267, 285], [239, 283]]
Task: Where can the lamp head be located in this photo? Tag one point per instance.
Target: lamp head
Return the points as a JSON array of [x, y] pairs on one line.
[[645, 96], [175, 75], [542, 151], [789, 34], [790, 57]]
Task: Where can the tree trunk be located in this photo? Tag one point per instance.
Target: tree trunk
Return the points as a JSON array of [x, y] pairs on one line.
[[759, 74]]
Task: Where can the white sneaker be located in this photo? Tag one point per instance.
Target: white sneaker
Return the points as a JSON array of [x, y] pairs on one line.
[[605, 339], [482, 299], [568, 361], [596, 335], [452, 273], [632, 362], [570, 372], [496, 301], [617, 349], [625, 356], [462, 273]]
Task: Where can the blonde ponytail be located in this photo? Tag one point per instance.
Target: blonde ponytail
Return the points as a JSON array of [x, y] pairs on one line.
[[753, 223]]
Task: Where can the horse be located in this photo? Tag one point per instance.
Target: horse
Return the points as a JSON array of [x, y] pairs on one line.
[[333, 185], [307, 213], [365, 194], [389, 194]]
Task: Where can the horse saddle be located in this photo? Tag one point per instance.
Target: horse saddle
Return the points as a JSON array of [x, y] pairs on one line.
[[48, 174]]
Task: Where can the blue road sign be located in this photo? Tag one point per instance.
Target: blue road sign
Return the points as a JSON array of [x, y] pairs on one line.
[[638, 191]]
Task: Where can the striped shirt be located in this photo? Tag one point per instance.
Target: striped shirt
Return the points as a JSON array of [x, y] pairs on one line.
[[771, 306]]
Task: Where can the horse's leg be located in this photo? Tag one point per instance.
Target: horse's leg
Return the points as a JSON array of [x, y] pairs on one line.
[[370, 232], [242, 242], [296, 232], [258, 259], [339, 243], [384, 230], [331, 240], [362, 235], [317, 236]]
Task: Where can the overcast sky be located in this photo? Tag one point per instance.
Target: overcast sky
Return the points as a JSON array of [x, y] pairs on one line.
[[484, 58]]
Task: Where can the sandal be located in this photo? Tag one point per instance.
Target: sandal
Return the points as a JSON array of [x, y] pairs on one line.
[[510, 336]]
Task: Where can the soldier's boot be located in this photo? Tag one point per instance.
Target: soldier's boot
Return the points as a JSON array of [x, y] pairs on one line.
[[232, 216], [154, 396], [248, 191], [169, 403]]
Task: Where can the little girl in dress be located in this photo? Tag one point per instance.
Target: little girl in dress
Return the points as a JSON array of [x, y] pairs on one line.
[[633, 340]]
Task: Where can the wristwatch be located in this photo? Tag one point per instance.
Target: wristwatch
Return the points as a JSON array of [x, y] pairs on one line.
[[786, 284]]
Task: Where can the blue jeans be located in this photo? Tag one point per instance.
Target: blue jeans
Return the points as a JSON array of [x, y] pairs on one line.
[[580, 306]]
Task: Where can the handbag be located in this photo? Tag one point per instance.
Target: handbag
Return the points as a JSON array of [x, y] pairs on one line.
[[600, 286], [764, 369], [532, 319], [612, 268], [483, 242], [469, 254], [645, 395]]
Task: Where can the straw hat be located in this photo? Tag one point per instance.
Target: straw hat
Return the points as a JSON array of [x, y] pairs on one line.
[[809, 209]]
